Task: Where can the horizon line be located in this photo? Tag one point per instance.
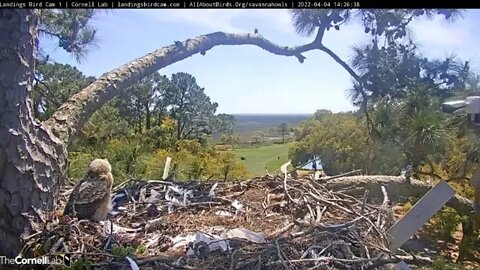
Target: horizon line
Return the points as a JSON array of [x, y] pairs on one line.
[[270, 113]]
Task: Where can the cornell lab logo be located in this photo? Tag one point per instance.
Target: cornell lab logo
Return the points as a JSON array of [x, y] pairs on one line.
[[66, 259], [61, 259]]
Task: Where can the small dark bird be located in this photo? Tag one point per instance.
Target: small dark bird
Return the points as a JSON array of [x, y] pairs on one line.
[[256, 31], [202, 52], [90, 198]]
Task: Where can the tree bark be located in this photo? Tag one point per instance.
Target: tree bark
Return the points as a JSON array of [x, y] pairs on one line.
[[31, 158]]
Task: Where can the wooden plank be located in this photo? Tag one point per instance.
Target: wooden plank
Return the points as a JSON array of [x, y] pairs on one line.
[[419, 214], [167, 167]]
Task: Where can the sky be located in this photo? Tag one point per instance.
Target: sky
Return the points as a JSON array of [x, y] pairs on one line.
[[248, 79]]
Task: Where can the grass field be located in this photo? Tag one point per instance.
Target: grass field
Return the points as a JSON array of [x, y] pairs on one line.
[[256, 159]]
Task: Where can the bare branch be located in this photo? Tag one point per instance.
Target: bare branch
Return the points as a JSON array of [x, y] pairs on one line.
[[72, 115], [398, 188]]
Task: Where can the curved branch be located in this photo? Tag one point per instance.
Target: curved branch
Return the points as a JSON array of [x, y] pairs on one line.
[[71, 116], [352, 73], [342, 63]]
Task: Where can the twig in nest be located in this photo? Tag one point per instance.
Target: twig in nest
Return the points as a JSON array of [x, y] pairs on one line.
[[305, 254], [285, 187], [383, 209], [57, 244], [364, 202], [110, 236], [279, 254], [331, 203], [312, 215], [320, 213], [233, 259], [279, 232]]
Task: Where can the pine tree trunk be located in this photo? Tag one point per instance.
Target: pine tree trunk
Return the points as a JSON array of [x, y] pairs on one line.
[[31, 158]]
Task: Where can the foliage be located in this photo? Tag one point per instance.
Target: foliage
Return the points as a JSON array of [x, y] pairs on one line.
[[141, 101], [189, 106], [441, 263], [230, 139], [283, 129], [121, 252], [259, 136], [398, 90], [224, 123], [78, 162], [168, 109], [193, 161], [72, 29], [445, 223], [81, 264], [342, 142], [54, 84], [105, 124], [388, 23]]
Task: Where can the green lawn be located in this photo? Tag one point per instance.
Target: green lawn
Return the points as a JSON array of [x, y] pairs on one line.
[[257, 158]]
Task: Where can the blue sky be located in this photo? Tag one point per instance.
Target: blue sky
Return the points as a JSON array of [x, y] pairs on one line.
[[247, 79]]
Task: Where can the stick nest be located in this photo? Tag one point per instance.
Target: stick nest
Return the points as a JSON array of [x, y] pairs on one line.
[[301, 225]]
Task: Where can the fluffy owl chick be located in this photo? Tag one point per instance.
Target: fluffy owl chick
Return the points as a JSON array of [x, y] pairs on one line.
[[90, 199]]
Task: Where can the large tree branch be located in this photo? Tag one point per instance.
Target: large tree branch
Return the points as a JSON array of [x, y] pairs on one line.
[[352, 73], [398, 189], [72, 115], [342, 63]]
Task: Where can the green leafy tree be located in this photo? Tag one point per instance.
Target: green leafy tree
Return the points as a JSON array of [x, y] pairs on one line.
[[230, 139], [319, 114], [194, 161], [223, 123], [342, 142], [283, 130], [189, 106], [143, 100], [259, 136], [54, 84]]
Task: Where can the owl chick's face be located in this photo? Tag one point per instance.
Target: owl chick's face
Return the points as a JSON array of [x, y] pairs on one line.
[[98, 167]]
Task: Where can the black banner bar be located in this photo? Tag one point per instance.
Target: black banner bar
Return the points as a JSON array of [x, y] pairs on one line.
[[166, 4]]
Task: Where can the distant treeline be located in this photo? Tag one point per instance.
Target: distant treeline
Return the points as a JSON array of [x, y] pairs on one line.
[[254, 122]]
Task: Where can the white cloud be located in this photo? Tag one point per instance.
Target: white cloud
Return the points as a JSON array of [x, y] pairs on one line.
[[438, 32], [279, 19], [212, 19], [227, 20]]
